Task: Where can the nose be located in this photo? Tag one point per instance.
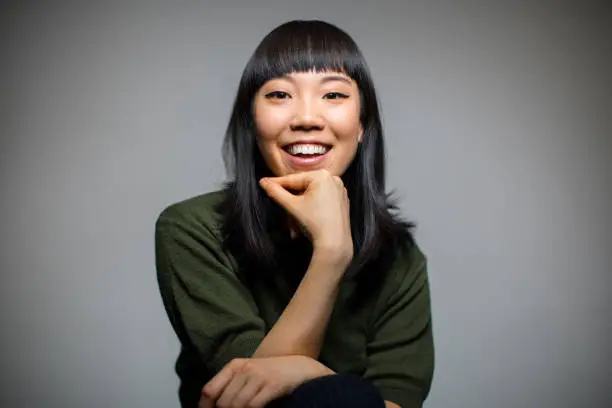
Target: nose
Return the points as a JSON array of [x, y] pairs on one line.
[[307, 116]]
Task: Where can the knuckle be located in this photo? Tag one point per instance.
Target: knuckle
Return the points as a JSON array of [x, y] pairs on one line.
[[207, 392], [237, 362], [247, 366]]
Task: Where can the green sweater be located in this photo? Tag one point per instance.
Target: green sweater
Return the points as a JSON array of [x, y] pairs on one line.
[[218, 316]]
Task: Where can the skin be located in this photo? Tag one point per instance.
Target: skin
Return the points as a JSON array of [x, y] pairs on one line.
[[300, 107]]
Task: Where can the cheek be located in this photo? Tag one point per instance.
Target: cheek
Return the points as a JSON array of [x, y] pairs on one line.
[[345, 121], [270, 122]]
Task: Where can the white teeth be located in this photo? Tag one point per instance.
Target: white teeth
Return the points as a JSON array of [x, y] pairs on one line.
[[307, 149]]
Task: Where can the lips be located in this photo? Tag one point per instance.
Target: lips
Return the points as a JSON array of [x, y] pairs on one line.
[[304, 156], [305, 150]]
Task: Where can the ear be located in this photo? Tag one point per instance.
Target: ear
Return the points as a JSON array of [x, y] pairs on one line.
[[360, 137]]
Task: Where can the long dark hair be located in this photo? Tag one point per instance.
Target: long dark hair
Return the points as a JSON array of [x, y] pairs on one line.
[[253, 224]]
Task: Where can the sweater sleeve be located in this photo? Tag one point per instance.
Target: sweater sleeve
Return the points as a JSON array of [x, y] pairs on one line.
[[209, 308], [400, 349]]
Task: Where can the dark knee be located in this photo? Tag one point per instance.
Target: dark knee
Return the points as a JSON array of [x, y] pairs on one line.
[[337, 391]]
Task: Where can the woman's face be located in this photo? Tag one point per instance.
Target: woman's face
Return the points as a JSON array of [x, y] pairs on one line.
[[308, 121]]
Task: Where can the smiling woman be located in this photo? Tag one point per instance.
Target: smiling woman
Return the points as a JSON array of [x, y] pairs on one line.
[[308, 121], [297, 285]]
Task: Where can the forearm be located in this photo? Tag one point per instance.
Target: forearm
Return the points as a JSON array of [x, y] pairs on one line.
[[301, 327]]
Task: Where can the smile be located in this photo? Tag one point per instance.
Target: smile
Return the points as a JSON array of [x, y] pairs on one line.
[[307, 155], [306, 150]]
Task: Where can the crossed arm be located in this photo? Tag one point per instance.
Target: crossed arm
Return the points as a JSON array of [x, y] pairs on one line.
[[232, 338], [288, 354]]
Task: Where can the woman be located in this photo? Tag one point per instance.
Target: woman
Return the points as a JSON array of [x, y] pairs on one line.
[[296, 285]]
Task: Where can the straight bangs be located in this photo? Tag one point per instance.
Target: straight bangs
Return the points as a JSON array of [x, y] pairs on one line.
[[303, 46]]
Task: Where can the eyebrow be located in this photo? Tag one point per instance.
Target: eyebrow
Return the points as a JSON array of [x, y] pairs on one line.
[[325, 79], [331, 78]]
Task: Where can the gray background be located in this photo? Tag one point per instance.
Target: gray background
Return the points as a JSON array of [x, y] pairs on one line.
[[498, 123]]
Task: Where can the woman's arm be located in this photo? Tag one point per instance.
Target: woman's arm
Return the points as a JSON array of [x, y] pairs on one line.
[[211, 310], [301, 327], [323, 210]]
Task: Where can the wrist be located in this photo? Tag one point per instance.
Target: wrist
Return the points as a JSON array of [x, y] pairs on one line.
[[337, 255], [328, 264]]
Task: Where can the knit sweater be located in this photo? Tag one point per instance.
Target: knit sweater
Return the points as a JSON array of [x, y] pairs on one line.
[[219, 313]]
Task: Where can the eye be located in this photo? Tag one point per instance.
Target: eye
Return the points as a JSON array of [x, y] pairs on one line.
[[335, 95], [277, 95]]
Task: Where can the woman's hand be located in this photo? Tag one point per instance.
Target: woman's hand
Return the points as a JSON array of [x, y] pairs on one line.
[[322, 208], [254, 382]]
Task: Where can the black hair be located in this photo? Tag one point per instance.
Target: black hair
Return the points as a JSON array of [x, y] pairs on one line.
[[253, 229]]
